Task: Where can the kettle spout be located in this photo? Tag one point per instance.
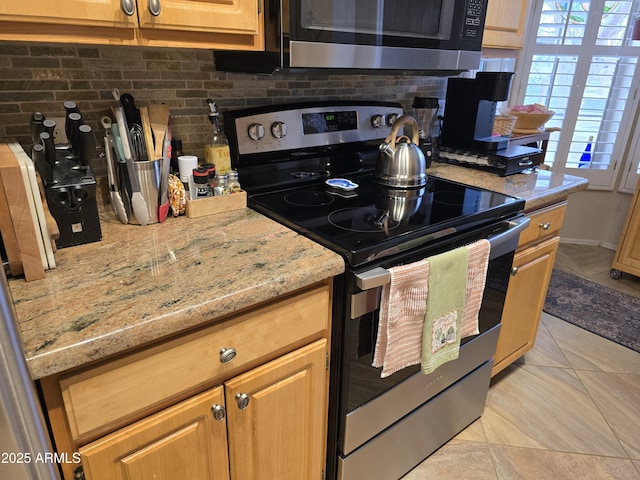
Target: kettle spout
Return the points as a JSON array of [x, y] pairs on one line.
[[386, 148]]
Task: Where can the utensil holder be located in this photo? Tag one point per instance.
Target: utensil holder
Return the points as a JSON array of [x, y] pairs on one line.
[[149, 175]]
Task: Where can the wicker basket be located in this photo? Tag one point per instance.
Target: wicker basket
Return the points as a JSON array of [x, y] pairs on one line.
[[503, 125]]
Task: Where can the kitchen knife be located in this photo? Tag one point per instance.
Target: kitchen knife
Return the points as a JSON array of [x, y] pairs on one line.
[[35, 126], [71, 126], [42, 165], [49, 149], [138, 203], [87, 145], [49, 126]]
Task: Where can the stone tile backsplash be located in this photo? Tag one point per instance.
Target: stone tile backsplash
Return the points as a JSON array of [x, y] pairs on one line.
[[40, 77]]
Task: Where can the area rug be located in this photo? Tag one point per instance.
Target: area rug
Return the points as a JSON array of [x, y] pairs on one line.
[[599, 309]]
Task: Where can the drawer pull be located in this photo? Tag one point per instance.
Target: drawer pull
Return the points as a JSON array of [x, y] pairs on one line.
[[128, 7], [227, 354], [154, 7], [242, 400], [545, 226], [514, 271], [219, 412]]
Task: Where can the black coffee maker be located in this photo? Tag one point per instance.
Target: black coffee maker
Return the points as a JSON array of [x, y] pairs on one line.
[[471, 108], [466, 138]]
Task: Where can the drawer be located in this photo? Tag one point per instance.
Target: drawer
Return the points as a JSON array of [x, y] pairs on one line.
[[544, 223], [122, 390]]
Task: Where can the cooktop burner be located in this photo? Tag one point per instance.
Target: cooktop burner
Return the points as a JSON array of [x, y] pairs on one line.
[[373, 221], [363, 219], [306, 198]]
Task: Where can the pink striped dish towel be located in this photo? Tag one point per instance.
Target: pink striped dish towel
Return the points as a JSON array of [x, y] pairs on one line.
[[402, 309], [476, 278]]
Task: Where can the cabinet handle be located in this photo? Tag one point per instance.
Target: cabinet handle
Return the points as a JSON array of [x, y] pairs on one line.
[[514, 271], [219, 413], [243, 400], [545, 226], [154, 7], [128, 7], [227, 354]]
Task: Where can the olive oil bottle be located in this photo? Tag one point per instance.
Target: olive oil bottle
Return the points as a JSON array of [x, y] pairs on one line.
[[217, 150]]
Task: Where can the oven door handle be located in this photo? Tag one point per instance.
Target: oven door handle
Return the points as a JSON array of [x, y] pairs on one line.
[[502, 243], [507, 241]]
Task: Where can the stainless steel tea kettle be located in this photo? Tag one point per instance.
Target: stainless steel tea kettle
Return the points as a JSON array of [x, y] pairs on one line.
[[401, 163]]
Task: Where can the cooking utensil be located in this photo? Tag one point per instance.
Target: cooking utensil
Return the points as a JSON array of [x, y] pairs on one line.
[[109, 150], [401, 163], [138, 203], [159, 119], [134, 121], [148, 134], [163, 207]]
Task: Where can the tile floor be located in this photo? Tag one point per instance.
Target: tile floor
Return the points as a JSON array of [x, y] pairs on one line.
[[569, 409]]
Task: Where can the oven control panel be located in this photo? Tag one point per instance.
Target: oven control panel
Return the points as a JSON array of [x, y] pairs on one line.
[[299, 126]]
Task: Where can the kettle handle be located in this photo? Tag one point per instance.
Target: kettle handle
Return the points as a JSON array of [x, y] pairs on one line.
[[405, 119]]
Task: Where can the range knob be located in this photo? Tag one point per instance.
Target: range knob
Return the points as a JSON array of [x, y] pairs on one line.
[[279, 129], [256, 131], [377, 121], [392, 118]]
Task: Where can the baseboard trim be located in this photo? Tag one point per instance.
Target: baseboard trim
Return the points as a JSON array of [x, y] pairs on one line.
[[595, 243]]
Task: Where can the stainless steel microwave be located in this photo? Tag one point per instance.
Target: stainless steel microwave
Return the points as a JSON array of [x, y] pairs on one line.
[[432, 35]]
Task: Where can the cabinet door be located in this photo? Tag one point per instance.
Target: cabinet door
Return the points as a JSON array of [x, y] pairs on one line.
[[525, 298], [182, 442], [220, 16], [280, 432], [98, 13], [505, 23], [628, 255]]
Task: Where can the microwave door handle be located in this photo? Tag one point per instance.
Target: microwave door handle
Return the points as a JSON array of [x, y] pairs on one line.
[[507, 241]]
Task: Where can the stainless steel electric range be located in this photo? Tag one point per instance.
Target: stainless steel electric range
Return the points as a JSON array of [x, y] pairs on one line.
[[311, 167]]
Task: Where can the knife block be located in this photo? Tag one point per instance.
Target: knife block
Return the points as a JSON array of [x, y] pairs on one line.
[[72, 201]]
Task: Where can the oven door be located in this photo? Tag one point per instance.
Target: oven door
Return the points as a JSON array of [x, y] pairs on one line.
[[411, 34], [369, 403]]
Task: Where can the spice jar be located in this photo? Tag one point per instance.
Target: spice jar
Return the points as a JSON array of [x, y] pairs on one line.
[[234, 184], [201, 182]]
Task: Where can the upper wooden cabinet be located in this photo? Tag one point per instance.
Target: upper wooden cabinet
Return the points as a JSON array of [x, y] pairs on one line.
[[505, 23], [215, 24]]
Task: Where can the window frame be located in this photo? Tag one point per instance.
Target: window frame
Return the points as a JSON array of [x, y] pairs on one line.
[[623, 170]]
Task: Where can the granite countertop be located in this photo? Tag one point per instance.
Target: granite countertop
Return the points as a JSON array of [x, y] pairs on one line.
[[140, 284], [538, 187]]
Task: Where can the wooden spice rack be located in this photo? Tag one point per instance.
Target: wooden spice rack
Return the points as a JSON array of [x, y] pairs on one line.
[[212, 205]]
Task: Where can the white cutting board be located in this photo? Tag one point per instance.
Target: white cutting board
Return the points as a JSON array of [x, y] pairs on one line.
[[35, 205]]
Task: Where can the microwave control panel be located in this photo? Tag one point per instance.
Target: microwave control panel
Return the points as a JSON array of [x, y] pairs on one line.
[[474, 19]]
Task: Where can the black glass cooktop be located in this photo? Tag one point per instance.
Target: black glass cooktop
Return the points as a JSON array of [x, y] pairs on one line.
[[373, 221]]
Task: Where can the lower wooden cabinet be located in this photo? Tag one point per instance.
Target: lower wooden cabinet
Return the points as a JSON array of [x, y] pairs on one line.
[[184, 441], [528, 285], [241, 399], [266, 423]]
